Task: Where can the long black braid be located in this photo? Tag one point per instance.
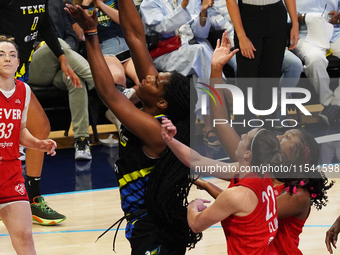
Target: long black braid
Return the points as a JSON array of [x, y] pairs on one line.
[[169, 183]]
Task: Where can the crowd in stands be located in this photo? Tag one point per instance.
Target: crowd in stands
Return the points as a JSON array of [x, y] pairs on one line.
[[259, 43]]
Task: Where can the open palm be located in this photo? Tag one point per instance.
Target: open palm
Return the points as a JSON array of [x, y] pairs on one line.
[[222, 52]]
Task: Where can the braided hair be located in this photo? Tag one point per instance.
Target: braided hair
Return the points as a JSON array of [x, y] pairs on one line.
[[169, 183], [306, 151]]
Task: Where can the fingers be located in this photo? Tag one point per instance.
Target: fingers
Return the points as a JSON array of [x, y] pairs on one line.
[[248, 53], [52, 152], [329, 237], [328, 243], [201, 200], [50, 147], [225, 40], [71, 10], [335, 239], [165, 120], [218, 43], [332, 13], [294, 39], [167, 123], [76, 81], [247, 48], [234, 52], [52, 142], [71, 75]]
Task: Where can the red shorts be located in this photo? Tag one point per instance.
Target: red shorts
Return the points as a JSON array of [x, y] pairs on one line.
[[12, 183]]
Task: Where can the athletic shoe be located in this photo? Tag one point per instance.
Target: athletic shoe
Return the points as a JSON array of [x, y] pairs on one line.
[[43, 214], [82, 146], [22, 151], [211, 140], [328, 113], [109, 114], [110, 141]]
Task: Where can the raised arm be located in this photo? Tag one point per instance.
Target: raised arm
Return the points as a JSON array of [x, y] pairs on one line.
[[138, 122], [192, 158], [134, 35], [227, 136]]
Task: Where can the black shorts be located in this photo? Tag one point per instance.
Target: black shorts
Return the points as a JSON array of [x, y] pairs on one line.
[[144, 241]]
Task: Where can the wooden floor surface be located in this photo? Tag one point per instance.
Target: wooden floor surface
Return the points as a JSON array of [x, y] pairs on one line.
[[90, 213]]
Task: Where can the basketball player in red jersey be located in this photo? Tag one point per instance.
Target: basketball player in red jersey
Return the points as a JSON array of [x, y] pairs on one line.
[[296, 194], [247, 209], [15, 210]]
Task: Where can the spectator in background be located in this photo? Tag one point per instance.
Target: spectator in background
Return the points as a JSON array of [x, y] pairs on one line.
[[312, 47], [292, 65], [261, 35], [45, 69], [22, 19]]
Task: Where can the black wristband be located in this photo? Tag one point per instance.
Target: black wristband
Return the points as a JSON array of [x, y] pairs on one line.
[[85, 7]]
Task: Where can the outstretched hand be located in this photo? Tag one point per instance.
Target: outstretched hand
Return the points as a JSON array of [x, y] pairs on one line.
[[222, 52], [168, 129], [85, 21], [332, 236]]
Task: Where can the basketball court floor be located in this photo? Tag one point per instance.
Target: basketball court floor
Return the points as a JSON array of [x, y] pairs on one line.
[[86, 192]]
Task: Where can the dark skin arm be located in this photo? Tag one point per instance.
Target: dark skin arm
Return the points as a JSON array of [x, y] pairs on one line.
[[332, 235], [297, 205], [134, 35], [212, 189], [335, 17], [142, 124]]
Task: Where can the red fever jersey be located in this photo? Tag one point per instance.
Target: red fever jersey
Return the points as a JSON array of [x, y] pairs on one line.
[[287, 238], [12, 185], [253, 234]]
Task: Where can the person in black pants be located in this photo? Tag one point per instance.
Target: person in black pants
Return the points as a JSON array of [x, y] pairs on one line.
[[261, 35]]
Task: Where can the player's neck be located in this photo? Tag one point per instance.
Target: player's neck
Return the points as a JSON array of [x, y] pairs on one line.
[[7, 83]]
